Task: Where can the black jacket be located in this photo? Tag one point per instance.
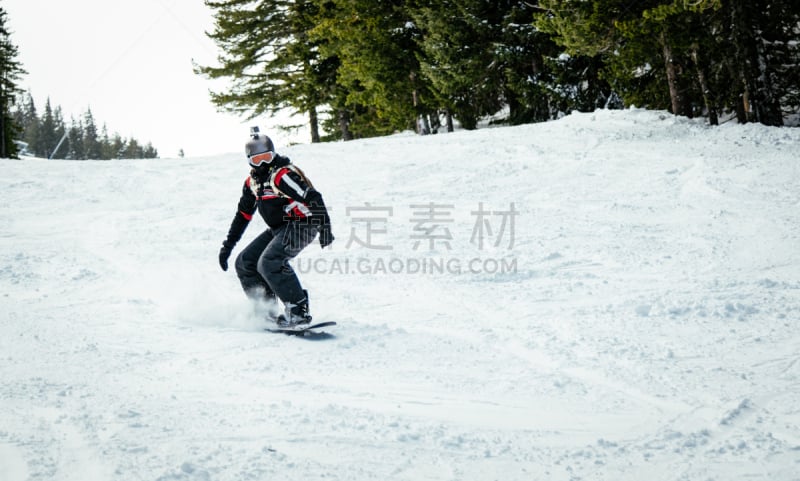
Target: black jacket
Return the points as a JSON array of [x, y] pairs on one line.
[[293, 200]]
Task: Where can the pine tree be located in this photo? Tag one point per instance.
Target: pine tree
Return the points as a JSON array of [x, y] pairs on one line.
[[149, 151], [132, 150], [268, 57], [539, 82], [91, 140], [28, 121], [105, 144], [48, 135], [117, 147], [459, 40], [10, 72], [521, 51], [375, 45], [76, 149], [632, 49]]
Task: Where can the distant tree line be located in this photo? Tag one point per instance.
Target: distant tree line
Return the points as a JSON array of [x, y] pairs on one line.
[[23, 128], [360, 68], [84, 140]]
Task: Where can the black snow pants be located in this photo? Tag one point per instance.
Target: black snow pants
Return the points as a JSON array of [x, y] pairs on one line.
[[263, 266]]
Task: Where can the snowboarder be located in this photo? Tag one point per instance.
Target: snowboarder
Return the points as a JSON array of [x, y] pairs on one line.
[[294, 213]]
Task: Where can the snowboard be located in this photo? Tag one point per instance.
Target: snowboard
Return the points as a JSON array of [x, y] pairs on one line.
[[300, 330]]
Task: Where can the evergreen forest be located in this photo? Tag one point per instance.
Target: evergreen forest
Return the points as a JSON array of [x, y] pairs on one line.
[[361, 68], [78, 139]]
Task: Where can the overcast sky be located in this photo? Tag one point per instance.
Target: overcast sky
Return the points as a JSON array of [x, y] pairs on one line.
[[132, 63]]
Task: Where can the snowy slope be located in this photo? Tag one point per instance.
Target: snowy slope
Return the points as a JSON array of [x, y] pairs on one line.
[[638, 322]]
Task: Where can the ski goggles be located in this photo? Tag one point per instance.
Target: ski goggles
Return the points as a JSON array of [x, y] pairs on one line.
[[263, 158]]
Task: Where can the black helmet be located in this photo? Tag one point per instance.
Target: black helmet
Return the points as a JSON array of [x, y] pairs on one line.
[[259, 149]]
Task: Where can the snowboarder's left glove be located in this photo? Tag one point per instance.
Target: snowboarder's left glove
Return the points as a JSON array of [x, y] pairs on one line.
[[239, 224], [224, 254], [325, 236]]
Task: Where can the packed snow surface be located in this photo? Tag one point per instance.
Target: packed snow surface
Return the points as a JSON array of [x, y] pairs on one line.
[[611, 296]]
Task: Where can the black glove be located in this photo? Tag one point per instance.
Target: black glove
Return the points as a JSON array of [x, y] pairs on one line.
[[238, 226], [325, 236], [224, 254]]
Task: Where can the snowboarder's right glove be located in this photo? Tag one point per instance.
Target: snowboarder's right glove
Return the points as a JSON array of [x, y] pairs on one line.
[[325, 236], [224, 254]]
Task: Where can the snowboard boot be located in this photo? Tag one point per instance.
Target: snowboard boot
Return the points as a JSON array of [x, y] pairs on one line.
[[296, 315]]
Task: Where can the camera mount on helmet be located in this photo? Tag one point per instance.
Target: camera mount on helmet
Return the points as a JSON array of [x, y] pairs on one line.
[[259, 149]]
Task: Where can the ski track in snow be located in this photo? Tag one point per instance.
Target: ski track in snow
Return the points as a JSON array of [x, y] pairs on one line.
[[648, 332]]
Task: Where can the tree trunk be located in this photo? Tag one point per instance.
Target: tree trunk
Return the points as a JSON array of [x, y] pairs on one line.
[[678, 103], [768, 108], [740, 61], [740, 106], [514, 108], [713, 119], [419, 118], [314, 125], [434, 121], [344, 125], [424, 125], [449, 120]]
